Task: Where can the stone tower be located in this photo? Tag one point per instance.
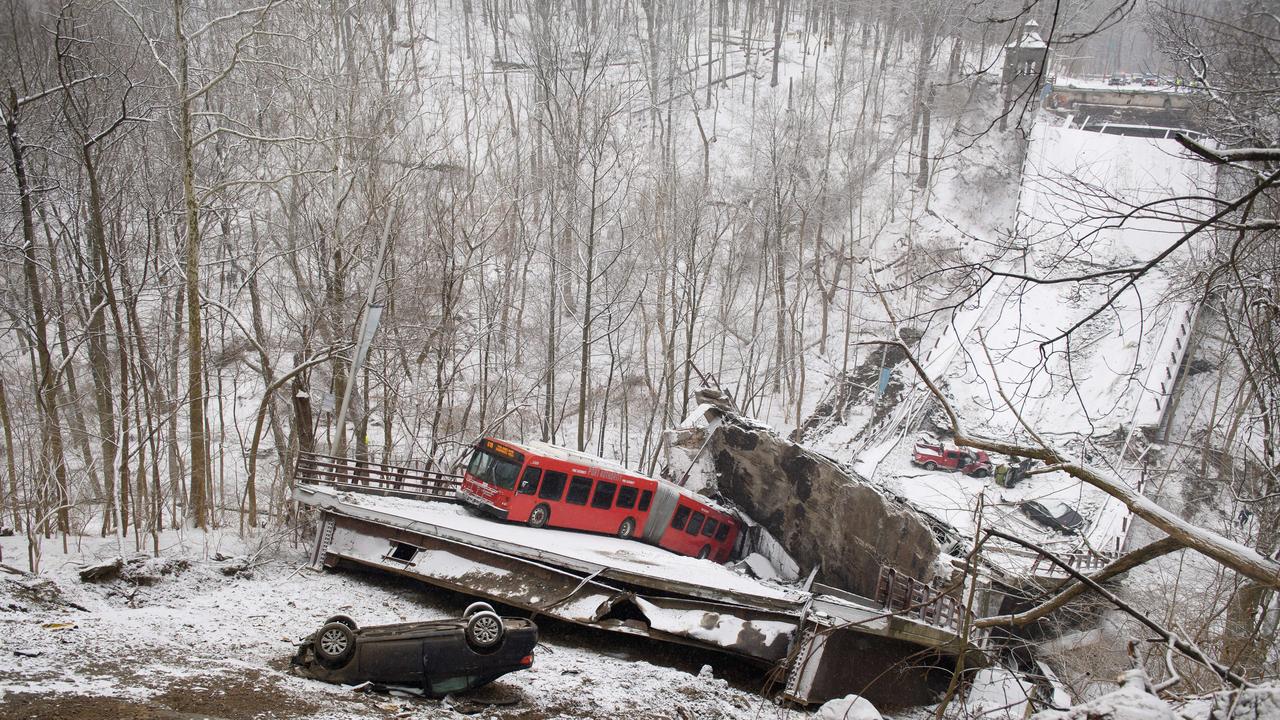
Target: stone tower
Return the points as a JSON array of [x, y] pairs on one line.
[[1025, 61]]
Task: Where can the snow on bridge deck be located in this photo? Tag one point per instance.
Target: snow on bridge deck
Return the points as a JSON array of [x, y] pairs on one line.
[[603, 555]]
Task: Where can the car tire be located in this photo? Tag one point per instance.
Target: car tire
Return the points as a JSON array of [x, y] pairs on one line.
[[476, 607], [539, 516], [334, 644], [705, 552], [627, 529], [931, 466], [345, 620], [485, 631], [980, 473]]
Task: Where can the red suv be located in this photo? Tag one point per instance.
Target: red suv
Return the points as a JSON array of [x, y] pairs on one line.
[[932, 457]]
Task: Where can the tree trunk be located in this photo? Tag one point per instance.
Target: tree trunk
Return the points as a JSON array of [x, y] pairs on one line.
[[7, 420], [53, 461], [588, 285], [79, 430], [779, 20], [926, 115], [199, 464]]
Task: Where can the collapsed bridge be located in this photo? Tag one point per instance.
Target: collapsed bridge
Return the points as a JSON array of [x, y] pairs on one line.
[[829, 642]]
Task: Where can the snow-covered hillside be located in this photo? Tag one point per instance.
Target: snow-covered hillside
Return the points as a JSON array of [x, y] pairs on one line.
[[1086, 223]]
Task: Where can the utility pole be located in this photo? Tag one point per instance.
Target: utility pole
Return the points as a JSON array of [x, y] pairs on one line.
[[370, 315]]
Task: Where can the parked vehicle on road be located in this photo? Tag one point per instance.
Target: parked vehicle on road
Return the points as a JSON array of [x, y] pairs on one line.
[[439, 656], [544, 485], [931, 456]]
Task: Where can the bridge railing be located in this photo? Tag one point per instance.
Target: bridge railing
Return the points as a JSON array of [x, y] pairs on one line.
[[375, 478], [904, 595]]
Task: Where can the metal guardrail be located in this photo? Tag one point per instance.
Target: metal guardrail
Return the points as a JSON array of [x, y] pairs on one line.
[[1082, 560], [374, 477], [903, 594]]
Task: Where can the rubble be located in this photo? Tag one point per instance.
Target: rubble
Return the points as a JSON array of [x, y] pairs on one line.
[[1133, 701], [103, 571], [137, 570]]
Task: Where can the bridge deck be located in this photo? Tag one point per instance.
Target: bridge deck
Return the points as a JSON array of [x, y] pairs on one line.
[[605, 556], [629, 587]]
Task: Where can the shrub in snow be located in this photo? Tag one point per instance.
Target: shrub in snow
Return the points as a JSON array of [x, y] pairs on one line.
[[1255, 703], [1132, 701], [849, 707]]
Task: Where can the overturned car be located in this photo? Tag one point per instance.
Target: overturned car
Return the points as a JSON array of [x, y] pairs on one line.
[[439, 656]]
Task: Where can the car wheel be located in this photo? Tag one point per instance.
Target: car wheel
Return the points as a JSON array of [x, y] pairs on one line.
[[476, 607], [980, 473], [345, 620], [334, 644], [539, 517], [485, 630], [931, 466], [705, 552], [627, 528]]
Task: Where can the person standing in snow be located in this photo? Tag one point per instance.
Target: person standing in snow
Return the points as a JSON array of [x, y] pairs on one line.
[[1002, 470]]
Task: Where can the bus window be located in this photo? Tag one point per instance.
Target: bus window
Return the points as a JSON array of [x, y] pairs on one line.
[[552, 485], [529, 481], [709, 528], [722, 532], [695, 523], [603, 497], [492, 470], [627, 497], [645, 497], [680, 518], [579, 490]]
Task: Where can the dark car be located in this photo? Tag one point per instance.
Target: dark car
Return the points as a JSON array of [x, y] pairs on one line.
[[1054, 514], [440, 656]]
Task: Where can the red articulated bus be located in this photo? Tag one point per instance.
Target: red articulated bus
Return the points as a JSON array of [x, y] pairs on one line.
[[548, 486]]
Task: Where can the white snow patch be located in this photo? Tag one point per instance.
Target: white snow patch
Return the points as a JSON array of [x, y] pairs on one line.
[[849, 707]]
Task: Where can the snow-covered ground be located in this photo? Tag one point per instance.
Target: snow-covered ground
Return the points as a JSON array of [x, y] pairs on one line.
[[187, 638], [1001, 357]]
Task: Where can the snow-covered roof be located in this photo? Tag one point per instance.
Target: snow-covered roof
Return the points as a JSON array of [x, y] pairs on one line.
[[1030, 37]]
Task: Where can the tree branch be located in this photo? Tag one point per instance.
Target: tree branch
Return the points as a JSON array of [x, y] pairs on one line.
[[1122, 564], [1242, 559], [1181, 645]]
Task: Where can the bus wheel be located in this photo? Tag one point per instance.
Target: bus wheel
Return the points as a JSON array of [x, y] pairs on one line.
[[539, 517], [705, 552], [627, 528]]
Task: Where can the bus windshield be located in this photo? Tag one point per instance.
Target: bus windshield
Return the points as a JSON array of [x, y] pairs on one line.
[[493, 470]]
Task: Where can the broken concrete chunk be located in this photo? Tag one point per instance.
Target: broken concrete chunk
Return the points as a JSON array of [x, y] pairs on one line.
[[822, 514]]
